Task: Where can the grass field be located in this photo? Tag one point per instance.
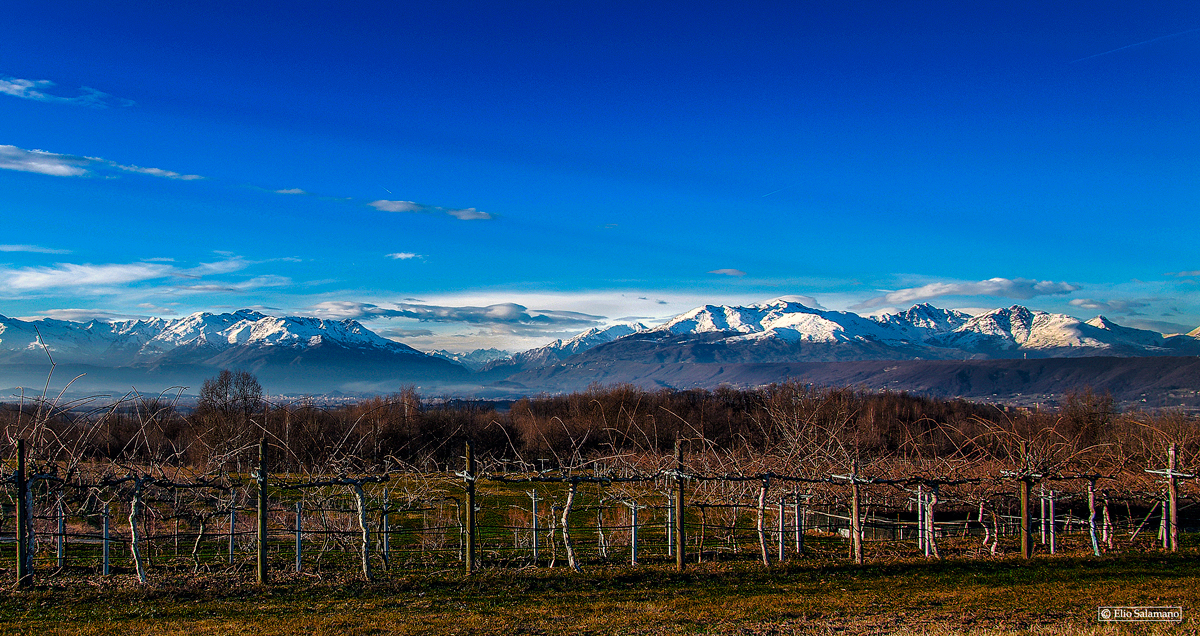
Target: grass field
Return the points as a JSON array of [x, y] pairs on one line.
[[1057, 595]]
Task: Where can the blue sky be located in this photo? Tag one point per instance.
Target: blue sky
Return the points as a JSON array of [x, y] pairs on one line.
[[466, 175]]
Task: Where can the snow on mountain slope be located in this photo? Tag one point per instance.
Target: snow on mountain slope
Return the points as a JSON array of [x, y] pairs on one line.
[[473, 360], [925, 331], [784, 320], [134, 341], [924, 321], [1117, 334], [561, 349]]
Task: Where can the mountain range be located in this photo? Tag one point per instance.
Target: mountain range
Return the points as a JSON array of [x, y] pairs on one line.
[[706, 346]]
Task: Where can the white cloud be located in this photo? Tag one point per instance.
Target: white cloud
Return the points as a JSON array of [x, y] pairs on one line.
[[496, 314], [60, 165], [467, 214], [1126, 307], [230, 264], [404, 256], [41, 162], [728, 272], [291, 191], [1001, 287], [68, 275], [86, 315], [155, 172], [38, 90], [36, 249]]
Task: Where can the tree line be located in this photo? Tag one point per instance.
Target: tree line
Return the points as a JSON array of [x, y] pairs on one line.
[[793, 422]]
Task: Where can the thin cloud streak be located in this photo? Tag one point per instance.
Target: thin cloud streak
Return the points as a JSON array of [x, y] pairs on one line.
[[466, 214], [35, 249], [1136, 45], [497, 314], [69, 275], [60, 165], [36, 90], [1124, 307]]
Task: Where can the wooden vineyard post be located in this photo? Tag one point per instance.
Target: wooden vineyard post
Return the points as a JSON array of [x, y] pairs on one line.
[[469, 557], [24, 573], [261, 478], [680, 540], [1024, 487]]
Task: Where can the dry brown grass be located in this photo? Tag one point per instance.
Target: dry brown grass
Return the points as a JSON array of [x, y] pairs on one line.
[[822, 596]]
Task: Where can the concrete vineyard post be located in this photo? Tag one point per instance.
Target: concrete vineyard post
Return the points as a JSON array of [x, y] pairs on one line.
[[761, 522], [633, 533], [1023, 485], [782, 537], [105, 541], [533, 497], [261, 478], [855, 519], [385, 531], [232, 525], [680, 539], [299, 535], [1092, 516], [61, 535], [1172, 500], [24, 572]]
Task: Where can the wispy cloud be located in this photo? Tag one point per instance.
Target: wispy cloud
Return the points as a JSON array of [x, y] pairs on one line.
[[1125, 307], [466, 214], [257, 282], [85, 315], [728, 272], [69, 275], [36, 249], [1195, 272], [1136, 45], [404, 256], [498, 314], [60, 165], [42, 162], [291, 191], [43, 91], [130, 278], [1001, 287]]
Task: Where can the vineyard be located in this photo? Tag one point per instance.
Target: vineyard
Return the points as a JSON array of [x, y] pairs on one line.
[[611, 477]]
